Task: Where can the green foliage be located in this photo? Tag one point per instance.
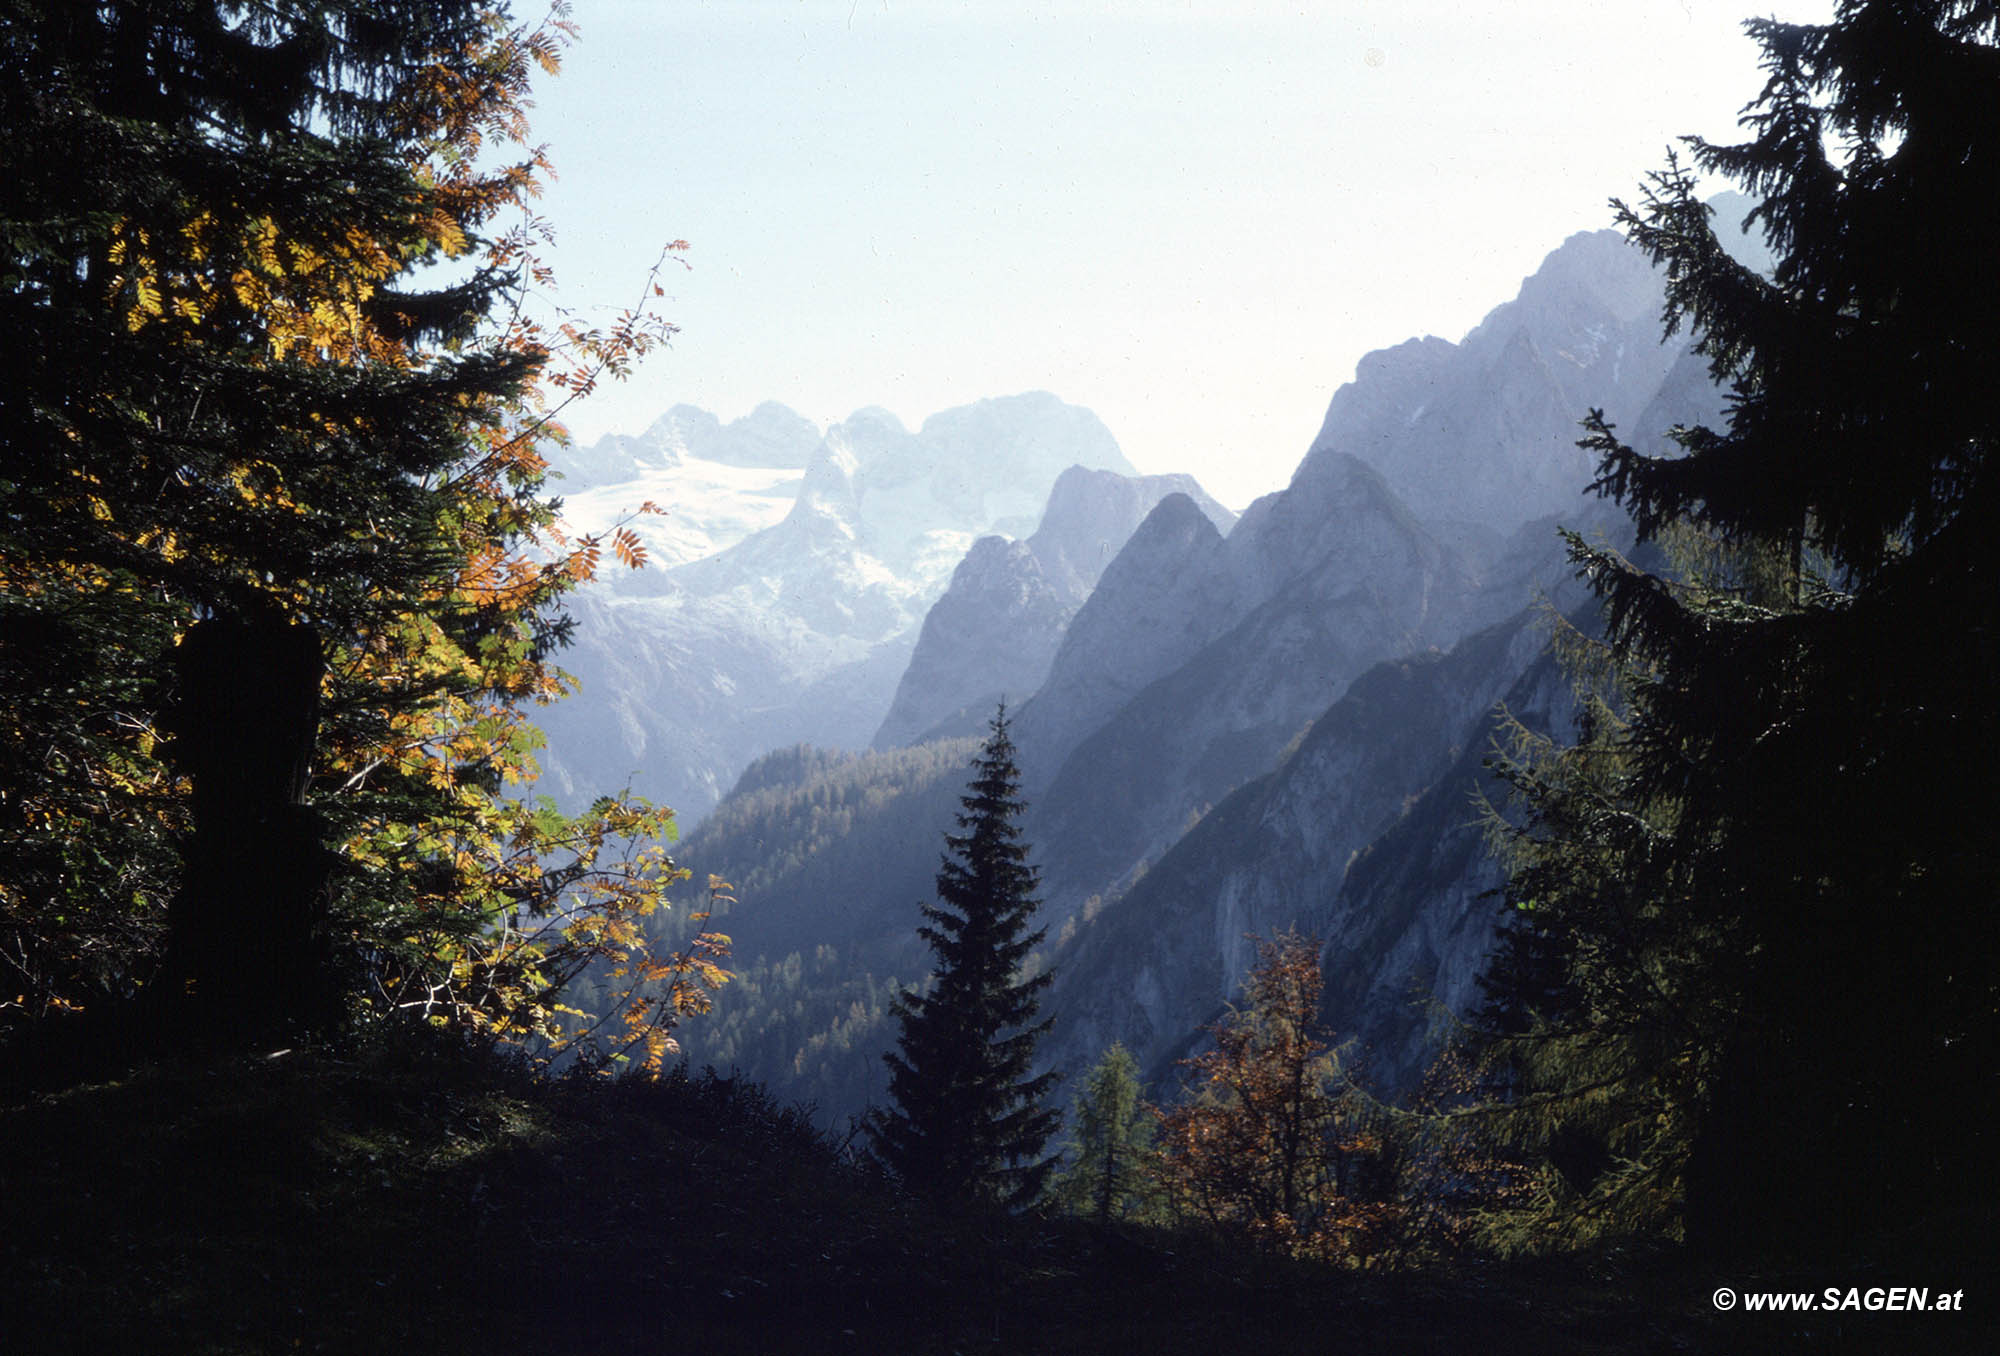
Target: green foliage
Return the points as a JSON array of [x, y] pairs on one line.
[[1609, 995], [1108, 1172], [1761, 874], [266, 269], [813, 1028], [825, 850], [967, 1119], [808, 833]]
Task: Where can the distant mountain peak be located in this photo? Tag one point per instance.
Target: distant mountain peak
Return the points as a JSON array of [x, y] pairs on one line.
[[799, 625], [995, 630], [1483, 432]]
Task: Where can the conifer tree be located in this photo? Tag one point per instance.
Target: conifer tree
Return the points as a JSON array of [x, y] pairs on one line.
[[273, 372], [968, 1119], [1109, 1173], [1795, 812]]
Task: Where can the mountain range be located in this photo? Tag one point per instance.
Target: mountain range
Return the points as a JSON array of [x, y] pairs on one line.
[[1227, 725], [794, 572]]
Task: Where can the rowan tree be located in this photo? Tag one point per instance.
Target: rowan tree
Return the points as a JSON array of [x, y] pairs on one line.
[[265, 268], [968, 1120]]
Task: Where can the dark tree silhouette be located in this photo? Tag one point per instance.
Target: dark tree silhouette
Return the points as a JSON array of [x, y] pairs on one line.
[[1789, 805], [245, 943], [968, 1119]]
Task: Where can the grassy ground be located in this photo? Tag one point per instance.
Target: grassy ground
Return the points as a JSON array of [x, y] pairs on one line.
[[427, 1202]]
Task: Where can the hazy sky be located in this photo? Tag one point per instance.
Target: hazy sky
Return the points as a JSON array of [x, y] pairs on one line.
[[1191, 217]]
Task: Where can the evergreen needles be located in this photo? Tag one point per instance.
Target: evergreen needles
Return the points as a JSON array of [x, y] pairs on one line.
[[968, 1119], [1764, 871]]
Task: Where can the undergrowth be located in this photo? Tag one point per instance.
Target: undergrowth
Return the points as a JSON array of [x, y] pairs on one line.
[[433, 1196]]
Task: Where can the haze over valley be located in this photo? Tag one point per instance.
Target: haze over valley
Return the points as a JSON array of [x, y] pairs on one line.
[[923, 676], [1228, 724]]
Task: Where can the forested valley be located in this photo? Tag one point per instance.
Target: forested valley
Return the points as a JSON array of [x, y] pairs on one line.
[[1333, 946]]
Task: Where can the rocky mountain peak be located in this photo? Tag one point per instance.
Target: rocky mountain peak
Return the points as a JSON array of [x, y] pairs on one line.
[[995, 631], [988, 639], [1159, 600], [1484, 431], [829, 485], [1175, 532], [1091, 514], [1591, 272], [772, 436]]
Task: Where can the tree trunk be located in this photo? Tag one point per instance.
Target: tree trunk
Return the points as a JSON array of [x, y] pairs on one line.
[[246, 953]]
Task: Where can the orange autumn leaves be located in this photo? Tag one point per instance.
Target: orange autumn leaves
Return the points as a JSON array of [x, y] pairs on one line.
[[559, 901], [1275, 1142], [289, 345]]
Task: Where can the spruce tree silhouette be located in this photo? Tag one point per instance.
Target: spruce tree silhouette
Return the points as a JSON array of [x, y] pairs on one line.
[[968, 1120], [1788, 882]]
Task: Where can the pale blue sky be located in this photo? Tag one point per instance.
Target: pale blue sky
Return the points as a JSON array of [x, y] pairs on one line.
[[1191, 217]]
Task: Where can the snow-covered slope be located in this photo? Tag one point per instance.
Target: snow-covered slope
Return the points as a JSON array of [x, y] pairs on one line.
[[790, 579], [714, 483]]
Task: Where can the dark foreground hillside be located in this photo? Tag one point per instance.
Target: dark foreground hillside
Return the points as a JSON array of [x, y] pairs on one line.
[[431, 1203]]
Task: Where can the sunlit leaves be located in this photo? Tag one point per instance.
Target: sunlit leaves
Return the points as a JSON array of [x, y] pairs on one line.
[[1262, 1143], [237, 392], [630, 552]]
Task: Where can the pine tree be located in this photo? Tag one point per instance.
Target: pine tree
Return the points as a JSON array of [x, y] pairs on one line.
[[968, 1119], [1796, 815], [1108, 1173]]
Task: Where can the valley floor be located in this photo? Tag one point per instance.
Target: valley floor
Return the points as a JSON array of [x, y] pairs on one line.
[[431, 1203]]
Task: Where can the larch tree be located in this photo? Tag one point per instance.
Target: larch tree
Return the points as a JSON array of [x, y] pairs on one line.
[[276, 401], [968, 1120], [1108, 1171], [1262, 1145], [1790, 800]]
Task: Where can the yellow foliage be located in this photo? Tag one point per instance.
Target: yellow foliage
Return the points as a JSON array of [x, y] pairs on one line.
[[509, 903]]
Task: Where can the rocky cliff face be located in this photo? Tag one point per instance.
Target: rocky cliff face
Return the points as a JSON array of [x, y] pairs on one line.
[[1483, 432], [1426, 509], [996, 630], [987, 640], [1162, 959], [1161, 599], [1092, 514], [1367, 588], [1407, 933]]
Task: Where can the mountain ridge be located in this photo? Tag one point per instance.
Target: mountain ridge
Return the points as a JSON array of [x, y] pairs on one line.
[[783, 626], [1238, 716]]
